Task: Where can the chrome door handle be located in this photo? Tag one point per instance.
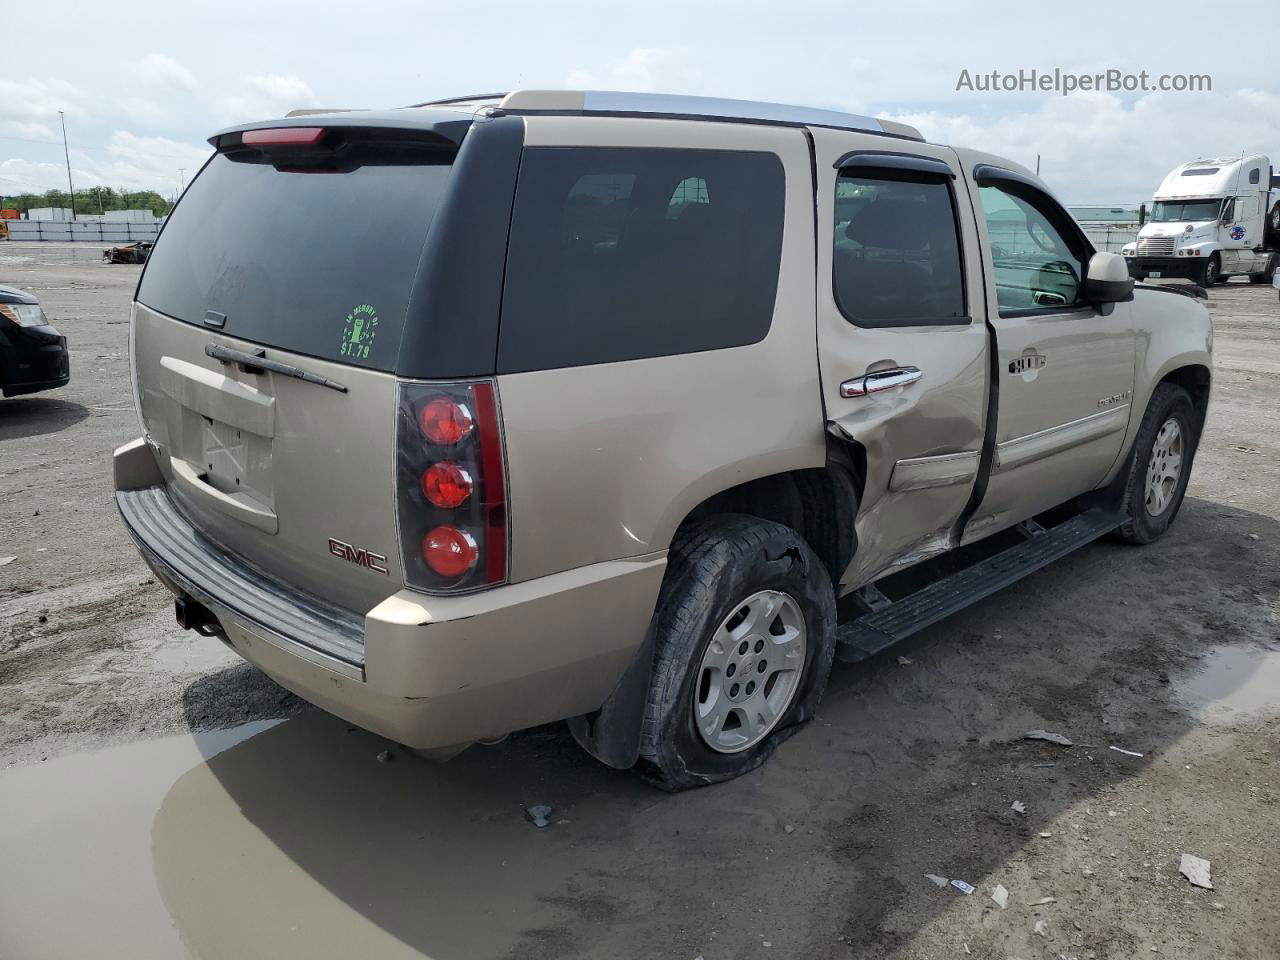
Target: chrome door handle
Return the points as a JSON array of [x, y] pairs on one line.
[[880, 380]]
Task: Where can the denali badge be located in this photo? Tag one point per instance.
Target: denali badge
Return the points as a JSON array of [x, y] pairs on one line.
[[1115, 398], [358, 555]]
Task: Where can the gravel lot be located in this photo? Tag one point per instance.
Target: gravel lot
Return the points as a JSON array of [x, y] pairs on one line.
[[125, 797]]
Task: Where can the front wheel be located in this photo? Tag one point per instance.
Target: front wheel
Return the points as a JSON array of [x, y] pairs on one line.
[[744, 638], [1160, 466], [1211, 271]]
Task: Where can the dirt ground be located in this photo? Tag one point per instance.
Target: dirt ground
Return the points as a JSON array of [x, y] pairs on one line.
[[161, 798]]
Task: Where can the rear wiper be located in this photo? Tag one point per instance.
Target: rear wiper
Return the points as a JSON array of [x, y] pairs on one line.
[[256, 363]]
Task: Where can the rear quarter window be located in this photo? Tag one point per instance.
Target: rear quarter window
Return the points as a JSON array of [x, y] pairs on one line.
[[316, 262], [619, 254]]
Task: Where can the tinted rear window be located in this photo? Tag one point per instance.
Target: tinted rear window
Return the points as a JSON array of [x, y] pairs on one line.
[[617, 254], [896, 259], [319, 263]]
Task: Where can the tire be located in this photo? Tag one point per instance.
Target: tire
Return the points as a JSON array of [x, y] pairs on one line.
[[719, 570], [1211, 272], [1266, 276], [1150, 516]]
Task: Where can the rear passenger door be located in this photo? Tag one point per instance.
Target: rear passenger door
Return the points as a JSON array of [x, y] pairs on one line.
[[902, 357], [1065, 367]]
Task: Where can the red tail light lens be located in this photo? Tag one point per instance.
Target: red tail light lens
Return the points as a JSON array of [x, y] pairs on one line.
[[451, 486], [445, 421], [445, 484], [449, 551], [283, 136]]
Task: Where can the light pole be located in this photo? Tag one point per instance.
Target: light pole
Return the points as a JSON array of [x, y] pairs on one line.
[[67, 153]]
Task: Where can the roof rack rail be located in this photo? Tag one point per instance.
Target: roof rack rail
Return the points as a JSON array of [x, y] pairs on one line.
[[468, 99], [312, 111], [688, 107]]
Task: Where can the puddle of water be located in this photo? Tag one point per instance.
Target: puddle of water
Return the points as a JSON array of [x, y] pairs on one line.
[[75, 847], [1233, 682]]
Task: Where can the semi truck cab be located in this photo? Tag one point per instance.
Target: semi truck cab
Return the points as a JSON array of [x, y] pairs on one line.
[[1210, 220]]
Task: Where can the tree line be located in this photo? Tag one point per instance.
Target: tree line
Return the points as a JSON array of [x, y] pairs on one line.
[[89, 201]]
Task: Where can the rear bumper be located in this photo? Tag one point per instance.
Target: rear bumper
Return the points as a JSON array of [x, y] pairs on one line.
[[423, 671]]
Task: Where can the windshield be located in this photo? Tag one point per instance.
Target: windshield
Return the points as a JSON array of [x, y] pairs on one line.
[[1171, 211], [315, 262]]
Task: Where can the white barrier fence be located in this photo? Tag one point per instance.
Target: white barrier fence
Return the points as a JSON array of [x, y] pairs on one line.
[[1110, 239], [88, 231]]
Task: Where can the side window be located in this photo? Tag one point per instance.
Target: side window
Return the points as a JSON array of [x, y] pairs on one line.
[[1038, 259], [618, 254], [1229, 211], [896, 250], [1255, 174]]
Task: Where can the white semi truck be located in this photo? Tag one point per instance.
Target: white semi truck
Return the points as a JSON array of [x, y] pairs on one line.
[[1210, 220]]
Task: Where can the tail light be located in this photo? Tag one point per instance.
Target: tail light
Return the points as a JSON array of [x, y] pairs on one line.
[[451, 486]]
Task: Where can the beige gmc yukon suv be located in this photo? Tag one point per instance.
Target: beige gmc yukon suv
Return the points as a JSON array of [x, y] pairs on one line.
[[631, 410]]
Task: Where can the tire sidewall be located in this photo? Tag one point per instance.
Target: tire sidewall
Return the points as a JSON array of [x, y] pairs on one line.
[[1171, 403], [786, 564], [1212, 271]]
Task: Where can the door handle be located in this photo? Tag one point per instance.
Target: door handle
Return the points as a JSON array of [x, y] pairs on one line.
[[880, 380]]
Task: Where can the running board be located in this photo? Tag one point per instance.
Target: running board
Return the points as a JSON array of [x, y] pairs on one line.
[[888, 621]]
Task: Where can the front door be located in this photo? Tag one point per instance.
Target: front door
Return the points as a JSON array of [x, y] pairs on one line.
[[1065, 367], [902, 347]]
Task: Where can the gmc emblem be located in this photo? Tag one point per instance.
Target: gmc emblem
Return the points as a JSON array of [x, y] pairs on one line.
[[358, 555]]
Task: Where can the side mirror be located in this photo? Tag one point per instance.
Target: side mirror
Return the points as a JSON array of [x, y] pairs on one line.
[[1107, 279]]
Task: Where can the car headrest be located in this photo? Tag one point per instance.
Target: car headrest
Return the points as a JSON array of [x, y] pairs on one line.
[[895, 223]]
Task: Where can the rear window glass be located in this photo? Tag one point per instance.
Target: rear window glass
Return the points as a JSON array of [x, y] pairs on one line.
[[317, 263], [617, 254], [896, 254]]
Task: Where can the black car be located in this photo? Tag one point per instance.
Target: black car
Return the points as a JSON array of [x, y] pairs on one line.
[[33, 355]]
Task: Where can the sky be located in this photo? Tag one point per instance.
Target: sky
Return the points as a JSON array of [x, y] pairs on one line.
[[143, 84]]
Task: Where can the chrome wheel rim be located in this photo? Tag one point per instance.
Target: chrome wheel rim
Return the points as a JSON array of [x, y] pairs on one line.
[[750, 672], [1210, 273], [1164, 469]]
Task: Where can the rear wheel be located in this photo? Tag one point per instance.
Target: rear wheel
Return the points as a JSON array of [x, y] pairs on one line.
[[1160, 466], [745, 635], [1266, 276]]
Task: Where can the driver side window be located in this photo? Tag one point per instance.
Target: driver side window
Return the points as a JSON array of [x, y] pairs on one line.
[[1037, 266]]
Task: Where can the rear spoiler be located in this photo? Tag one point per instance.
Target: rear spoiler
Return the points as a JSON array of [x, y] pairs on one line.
[[448, 127]]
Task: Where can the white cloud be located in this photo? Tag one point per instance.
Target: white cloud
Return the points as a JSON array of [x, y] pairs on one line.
[[28, 130], [142, 111], [40, 99], [158, 70], [265, 96], [644, 70], [133, 162], [1095, 148]]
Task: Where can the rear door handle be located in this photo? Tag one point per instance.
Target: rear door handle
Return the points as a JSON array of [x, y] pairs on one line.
[[880, 380]]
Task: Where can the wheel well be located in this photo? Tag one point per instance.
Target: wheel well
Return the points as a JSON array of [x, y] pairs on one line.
[[821, 504], [1195, 380]]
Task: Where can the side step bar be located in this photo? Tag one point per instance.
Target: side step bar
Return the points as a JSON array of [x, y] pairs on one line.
[[888, 621]]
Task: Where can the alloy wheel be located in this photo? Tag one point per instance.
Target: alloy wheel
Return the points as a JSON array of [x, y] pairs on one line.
[[749, 672]]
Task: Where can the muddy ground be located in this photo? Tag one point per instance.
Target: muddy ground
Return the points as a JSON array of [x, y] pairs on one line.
[[141, 819]]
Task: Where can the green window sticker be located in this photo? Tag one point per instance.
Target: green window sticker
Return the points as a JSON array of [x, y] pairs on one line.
[[359, 331]]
